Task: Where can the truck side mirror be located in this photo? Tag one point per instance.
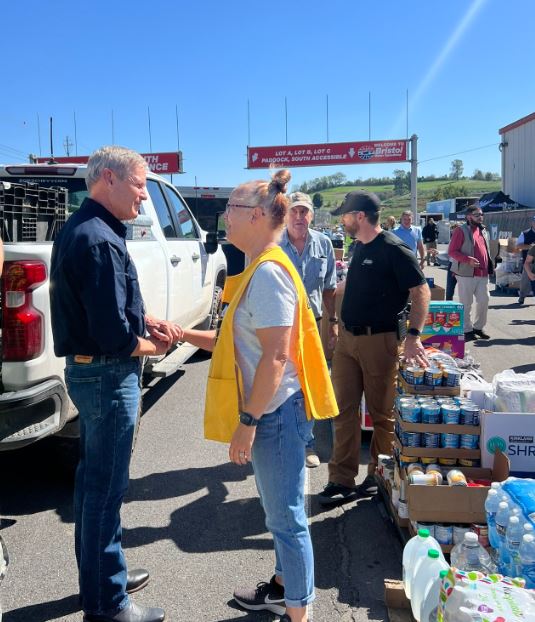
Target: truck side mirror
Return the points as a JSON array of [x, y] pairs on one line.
[[211, 243]]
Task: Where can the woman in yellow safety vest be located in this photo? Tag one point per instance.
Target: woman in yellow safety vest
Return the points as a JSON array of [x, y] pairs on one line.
[[268, 378]]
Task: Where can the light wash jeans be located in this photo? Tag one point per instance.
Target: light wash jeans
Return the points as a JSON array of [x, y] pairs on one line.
[[107, 395], [278, 458]]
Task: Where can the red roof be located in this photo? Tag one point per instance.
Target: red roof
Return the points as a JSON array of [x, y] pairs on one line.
[[515, 124]]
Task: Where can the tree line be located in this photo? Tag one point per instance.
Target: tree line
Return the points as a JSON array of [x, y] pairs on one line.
[[400, 181]]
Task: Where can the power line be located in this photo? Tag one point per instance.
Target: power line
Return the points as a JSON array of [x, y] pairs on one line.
[[449, 155], [7, 147]]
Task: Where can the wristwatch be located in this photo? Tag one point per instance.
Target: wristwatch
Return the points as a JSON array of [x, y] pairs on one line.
[[248, 419], [414, 332]]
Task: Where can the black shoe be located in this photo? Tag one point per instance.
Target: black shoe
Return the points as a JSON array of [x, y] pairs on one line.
[[368, 488], [336, 493], [263, 597], [285, 618], [136, 580], [521, 300], [481, 334], [131, 613], [469, 336]]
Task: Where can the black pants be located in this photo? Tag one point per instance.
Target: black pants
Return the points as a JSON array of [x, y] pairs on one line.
[[451, 282]]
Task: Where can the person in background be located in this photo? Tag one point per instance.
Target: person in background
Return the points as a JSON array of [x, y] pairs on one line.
[[411, 235], [430, 236], [471, 263], [268, 378], [528, 267], [525, 241], [99, 325], [312, 254], [451, 281], [390, 223], [382, 274]]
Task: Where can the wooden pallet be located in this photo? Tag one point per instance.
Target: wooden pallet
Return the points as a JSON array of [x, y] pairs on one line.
[[398, 605]]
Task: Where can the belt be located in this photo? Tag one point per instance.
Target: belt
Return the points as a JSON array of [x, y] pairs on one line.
[[369, 330], [97, 359]]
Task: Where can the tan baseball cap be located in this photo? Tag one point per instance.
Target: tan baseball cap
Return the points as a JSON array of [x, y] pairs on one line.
[[300, 198]]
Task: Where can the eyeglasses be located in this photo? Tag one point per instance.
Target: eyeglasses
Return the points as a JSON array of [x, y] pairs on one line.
[[229, 205]]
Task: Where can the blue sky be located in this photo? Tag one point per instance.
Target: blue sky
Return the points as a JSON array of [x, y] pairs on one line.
[[468, 67]]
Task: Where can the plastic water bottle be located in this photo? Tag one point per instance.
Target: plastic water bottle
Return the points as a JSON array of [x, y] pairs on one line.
[[427, 569], [513, 538], [502, 520], [491, 507], [527, 560], [528, 528], [429, 609], [415, 549], [470, 555]]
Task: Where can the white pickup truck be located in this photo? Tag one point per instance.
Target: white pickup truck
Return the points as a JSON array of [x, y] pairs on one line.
[[181, 270]]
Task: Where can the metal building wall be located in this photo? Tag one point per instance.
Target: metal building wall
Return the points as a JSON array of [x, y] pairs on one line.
[[518, 162]]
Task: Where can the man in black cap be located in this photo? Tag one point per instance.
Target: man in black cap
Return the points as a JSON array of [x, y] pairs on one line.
[[382, 274]]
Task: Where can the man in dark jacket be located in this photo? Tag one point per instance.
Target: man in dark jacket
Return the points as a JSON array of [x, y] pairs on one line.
[[430, 236]]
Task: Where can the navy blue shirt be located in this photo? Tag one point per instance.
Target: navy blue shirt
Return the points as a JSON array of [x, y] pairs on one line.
[[96, 303]]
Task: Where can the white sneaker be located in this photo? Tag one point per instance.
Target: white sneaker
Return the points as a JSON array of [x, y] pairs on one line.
[[312, 459]]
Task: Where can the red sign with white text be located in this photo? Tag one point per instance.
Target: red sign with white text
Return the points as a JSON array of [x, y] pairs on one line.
[[327, 154], [161, 163]]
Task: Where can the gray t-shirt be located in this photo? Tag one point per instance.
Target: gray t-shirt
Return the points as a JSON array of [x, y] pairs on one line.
[[270, 300]]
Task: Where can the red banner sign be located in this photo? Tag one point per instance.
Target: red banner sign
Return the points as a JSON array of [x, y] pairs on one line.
[[162, 163], [327, 154]]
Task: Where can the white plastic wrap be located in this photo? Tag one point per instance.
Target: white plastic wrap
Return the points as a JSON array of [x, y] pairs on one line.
[[514, 392]]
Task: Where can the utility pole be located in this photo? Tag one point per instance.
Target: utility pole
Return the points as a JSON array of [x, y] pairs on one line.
[[67, 144]]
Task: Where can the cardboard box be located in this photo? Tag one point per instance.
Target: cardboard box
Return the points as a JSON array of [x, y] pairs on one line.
[[437, 452], [438, 428], [450, 344], [512, 433], [456, 504], [445, 317], [437, 293], [423, 389]]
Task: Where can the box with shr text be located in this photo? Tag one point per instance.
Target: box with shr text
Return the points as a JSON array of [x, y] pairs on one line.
[[512, 433]]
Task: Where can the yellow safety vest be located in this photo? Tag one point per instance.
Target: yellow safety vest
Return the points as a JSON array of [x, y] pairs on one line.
[[221, 413]]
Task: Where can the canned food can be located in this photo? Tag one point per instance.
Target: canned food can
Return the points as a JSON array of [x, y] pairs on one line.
[[410, 412], [436, 472], [429, 526], [433, 466], [425, 479], [433, 377], [447, 461], [430, 412], [444, 533], [450, 413], [458, 533], [469, 441], [451, 377], [449, 441], [431, 439], [469, 414], [415, 375], [429, 460], [456, 478], [411, 439], [414, 467], [469, 462], [482, 532], [404, 461]]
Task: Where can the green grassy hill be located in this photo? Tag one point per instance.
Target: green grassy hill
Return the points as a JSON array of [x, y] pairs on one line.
[[395, 204]]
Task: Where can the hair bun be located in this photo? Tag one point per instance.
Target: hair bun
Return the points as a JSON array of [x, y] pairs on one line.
[[280, 180]]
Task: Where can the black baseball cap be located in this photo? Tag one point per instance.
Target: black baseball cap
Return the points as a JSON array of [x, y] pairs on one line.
[[358, 201]]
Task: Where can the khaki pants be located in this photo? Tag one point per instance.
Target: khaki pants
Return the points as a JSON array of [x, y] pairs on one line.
[[430, 246], [369, 364], [468, 289]]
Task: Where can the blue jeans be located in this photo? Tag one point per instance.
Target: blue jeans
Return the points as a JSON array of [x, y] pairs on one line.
[[107, 395], [278, 458]]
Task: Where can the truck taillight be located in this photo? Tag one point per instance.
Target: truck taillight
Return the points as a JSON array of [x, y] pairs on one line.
[[22, 325]]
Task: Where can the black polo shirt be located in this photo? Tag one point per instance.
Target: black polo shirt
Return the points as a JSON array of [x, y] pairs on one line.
[[378, 282], [95, 300]]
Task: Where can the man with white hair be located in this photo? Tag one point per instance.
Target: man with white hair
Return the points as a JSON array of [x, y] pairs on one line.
[[312, 253], [99, 325]]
